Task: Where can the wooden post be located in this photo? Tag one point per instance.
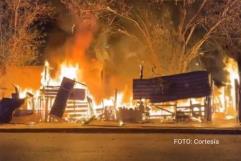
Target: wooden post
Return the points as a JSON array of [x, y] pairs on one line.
[[61, 98], [141, 71], [239, 89], [91, 108], [191, 107], [175, 111], [115, 105], [33, 105], [237, 95], [208, 103], [208, 111], [46, 109]]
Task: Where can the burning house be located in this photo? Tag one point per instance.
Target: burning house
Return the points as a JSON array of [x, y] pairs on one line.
[[62, 98], [183, 97], [190, 96], [165, 92]]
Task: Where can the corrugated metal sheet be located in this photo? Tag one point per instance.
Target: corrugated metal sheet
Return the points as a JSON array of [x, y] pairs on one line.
[[173, 87]]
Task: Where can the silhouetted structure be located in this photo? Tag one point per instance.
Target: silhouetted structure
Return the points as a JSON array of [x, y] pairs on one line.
[[8, 105]]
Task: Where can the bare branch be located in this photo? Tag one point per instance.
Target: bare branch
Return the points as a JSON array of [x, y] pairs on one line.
[[192, 20]]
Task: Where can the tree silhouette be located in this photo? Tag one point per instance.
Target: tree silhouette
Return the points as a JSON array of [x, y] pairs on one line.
[[20, 36]]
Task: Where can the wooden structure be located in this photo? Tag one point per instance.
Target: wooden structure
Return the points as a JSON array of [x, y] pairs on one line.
[[165, 92], [61, 98], [72, 103]]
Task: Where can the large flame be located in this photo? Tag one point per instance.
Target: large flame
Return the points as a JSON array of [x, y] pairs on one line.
[[232, 68], [71, 71], [83, 67], [225, 98]]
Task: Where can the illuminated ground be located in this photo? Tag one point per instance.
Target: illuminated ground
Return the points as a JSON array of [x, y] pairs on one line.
[[115, 147]]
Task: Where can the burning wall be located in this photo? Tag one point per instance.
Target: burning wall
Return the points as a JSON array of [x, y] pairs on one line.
[[25, 77]]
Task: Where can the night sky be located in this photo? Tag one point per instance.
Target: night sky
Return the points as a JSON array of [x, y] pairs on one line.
[[59, 31]]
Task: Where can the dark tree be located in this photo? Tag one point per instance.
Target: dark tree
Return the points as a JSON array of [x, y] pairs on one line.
[[20, 36]]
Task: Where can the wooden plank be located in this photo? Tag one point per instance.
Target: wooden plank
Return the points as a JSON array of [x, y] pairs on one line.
[[76, 93], [62, 96]]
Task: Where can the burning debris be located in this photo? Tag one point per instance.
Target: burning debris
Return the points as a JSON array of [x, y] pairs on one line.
[[183, 97], [164, 93], [64, 97], [83, 75], [8, 105], [80, 84]]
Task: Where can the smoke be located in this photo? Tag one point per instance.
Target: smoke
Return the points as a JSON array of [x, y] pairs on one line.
[[109, 61], [77, 53], [98, 73]]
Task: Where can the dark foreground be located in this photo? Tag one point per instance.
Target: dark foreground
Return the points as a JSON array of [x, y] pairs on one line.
[[115, 147]]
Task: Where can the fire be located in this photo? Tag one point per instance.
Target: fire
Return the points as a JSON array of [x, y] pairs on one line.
[[80, 66], [232, 68], [31, 95], [114, 100], [225, 98], [66, 70], [69, 71]]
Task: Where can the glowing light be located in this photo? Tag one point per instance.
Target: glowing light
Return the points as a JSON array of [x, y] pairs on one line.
[[66, 70], [69, 71], [232, 69]]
